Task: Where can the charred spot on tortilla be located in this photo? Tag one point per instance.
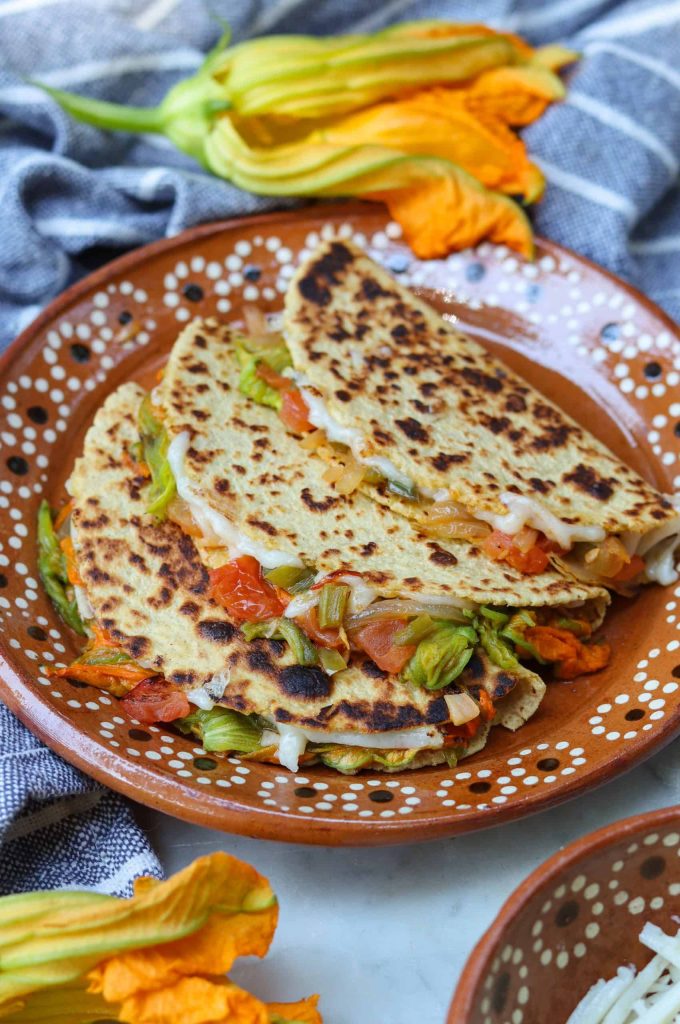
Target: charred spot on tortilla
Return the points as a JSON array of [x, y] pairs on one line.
[[438, 712], [370, 669], [138, 646], [324, 271], [505, 683], [439, 555], [587, 479], [370, 290], [260, 524], [217, 630], [552, 437], [260, 660], [306, 682], [443, 460], [189, 608], [413, 429], [183, 678], [330, 501]]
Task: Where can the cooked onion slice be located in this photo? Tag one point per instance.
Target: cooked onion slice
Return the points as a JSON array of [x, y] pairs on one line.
[[346, 475], [180, 513], [607, 559], [398, 608], [449, 520], [462, 708]]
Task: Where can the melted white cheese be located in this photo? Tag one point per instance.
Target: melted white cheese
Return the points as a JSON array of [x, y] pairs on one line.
[[205, 697], [85, 609], [524, 511], [660, 562], [352, 438], [212, 523], [292, 741]]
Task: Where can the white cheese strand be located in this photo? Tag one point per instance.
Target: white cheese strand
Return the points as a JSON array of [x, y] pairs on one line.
[[650, 997], [320, 417], [215, 525], [524, 511]]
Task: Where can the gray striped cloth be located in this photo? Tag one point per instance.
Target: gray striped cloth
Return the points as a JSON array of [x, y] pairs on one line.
[[72, 197]]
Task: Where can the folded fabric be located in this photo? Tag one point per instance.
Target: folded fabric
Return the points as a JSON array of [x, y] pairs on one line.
[[59, 829]]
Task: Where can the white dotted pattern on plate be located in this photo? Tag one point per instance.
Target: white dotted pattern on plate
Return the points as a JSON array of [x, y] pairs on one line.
[[99, 341]]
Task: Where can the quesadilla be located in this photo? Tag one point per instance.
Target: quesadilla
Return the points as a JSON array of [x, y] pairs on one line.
[[227, 586], [160, 642], [437, 429]]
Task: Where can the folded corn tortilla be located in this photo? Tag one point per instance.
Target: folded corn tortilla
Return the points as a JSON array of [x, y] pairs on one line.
[[433, 411]]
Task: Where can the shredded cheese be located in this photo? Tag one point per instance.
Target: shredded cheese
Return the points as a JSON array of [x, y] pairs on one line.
[[215, 525], [651, 996]]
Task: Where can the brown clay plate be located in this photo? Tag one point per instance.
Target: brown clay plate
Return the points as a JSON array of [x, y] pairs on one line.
[[574, 920], [598, 348]]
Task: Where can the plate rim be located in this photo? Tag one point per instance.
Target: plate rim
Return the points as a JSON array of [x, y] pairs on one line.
[[118, 772], [544, 875]]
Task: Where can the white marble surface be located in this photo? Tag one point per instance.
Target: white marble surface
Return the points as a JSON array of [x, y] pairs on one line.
[[382, 934]]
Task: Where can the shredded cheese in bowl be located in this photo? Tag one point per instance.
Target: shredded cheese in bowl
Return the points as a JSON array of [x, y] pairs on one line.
[[651, 996]]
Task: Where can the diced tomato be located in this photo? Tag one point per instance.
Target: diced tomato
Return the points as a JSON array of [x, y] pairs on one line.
[[630, 570], [294, 412], [240, 587], [329, 577], [501, 547], [330, 638], [377, 640], [455, 734], [156, 700], [275, 380]]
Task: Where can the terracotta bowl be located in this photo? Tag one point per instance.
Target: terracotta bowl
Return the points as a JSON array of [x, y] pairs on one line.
[[574, 920], [586, 340]]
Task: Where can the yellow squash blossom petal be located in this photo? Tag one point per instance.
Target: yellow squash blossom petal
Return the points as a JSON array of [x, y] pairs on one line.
[[554, 56], [437, 122], [304, 1012], [516, 96], [212, 950], [310, 77], [437, 217], [195, 1001], [412, 186], [65, 945]]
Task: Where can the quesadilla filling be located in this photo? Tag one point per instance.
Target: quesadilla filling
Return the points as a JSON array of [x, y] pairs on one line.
[[528, 536]]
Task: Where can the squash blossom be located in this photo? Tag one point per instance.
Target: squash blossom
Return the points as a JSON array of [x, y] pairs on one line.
[[160, 957], [418, 116]]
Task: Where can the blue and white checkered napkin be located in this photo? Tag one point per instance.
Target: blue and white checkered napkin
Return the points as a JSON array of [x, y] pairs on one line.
[[72, 197]]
